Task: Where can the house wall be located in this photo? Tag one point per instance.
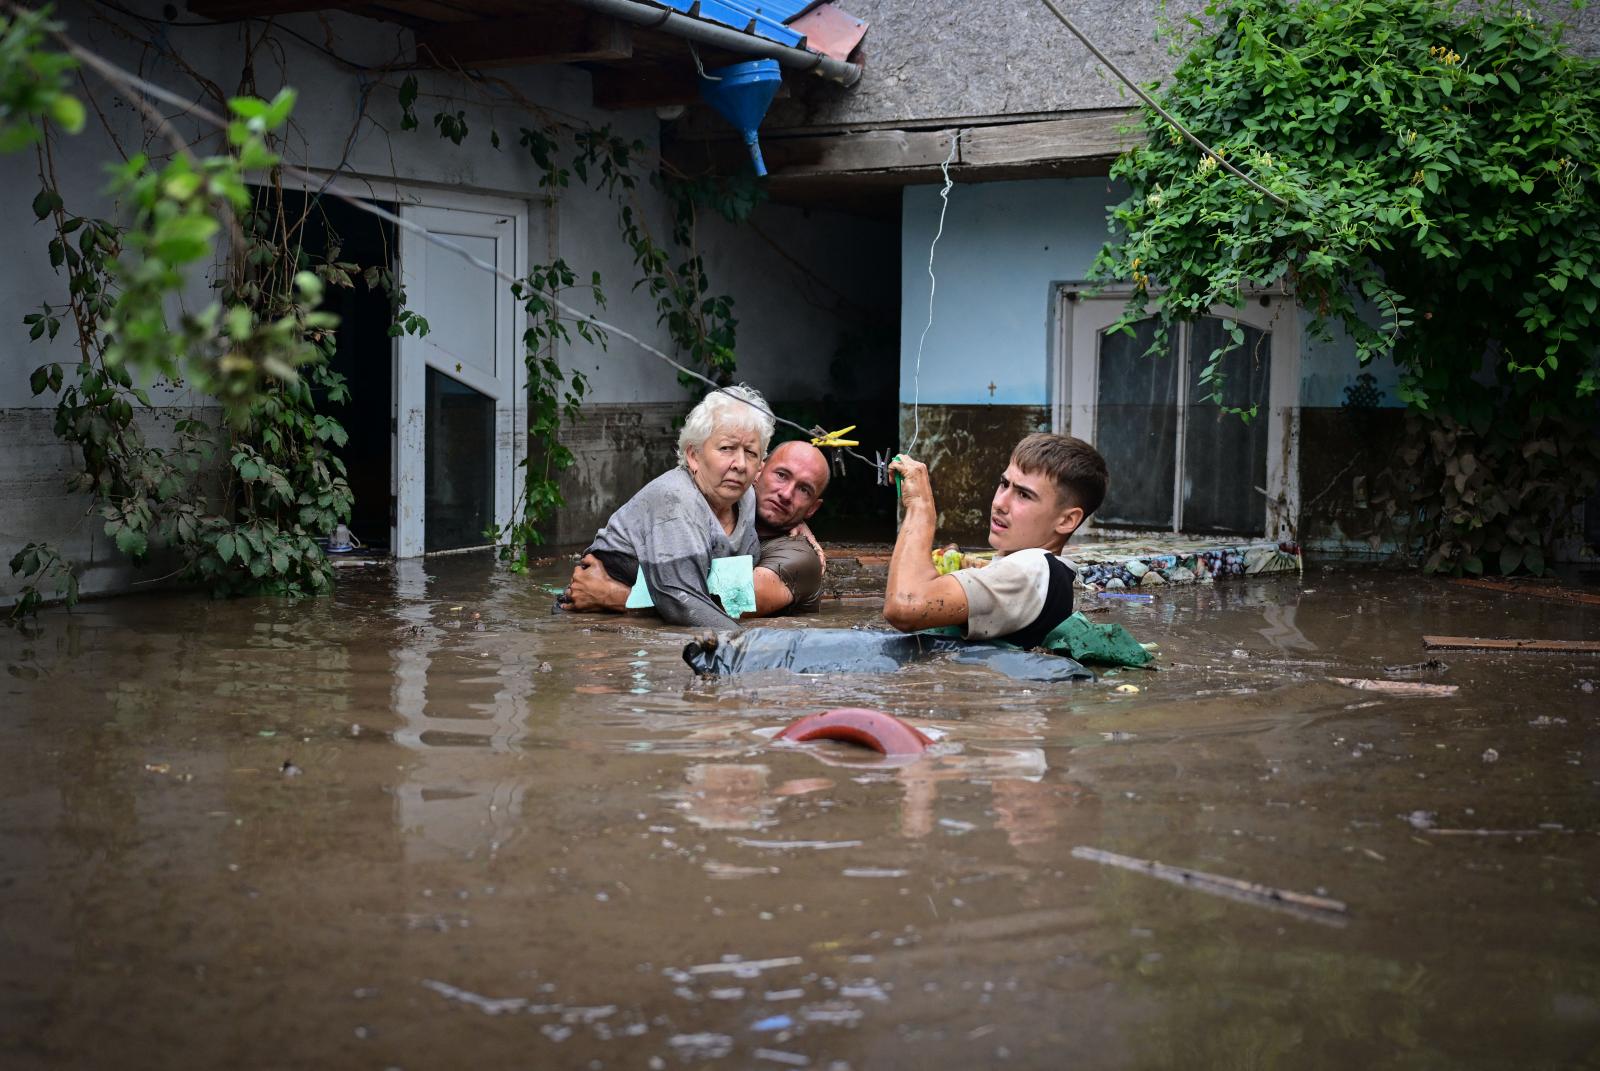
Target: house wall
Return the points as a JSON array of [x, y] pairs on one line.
[[1005, 249], [786, 341]]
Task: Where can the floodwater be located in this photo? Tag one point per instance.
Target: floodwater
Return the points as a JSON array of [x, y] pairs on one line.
[[426, 824]]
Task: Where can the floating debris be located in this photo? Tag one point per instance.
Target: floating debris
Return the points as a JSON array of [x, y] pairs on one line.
[[744, 968], [1422, 819], [1303, 905], [701, 1046], [487, 1005], [729, 870], [1401, 688], [783, 994]]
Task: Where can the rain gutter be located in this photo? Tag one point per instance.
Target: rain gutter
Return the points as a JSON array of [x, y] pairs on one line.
[[669, 21]]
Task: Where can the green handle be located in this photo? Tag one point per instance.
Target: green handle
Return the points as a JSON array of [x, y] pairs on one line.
[[897, 457]]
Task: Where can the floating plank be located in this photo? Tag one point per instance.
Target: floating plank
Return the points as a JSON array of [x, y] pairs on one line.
[[1417, 688], [560, 36], [1474, 643], [1523, 587], [1303, 904]]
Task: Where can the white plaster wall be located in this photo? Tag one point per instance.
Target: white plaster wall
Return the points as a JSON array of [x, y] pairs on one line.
[[784, 347]]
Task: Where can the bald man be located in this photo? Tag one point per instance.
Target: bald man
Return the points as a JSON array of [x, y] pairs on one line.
[[788, 575]]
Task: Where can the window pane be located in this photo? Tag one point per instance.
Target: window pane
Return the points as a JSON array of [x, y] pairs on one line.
[[458, 485], [1136, 428], [1224, 458]]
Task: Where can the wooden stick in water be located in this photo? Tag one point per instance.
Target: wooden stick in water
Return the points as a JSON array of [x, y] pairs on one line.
[[1215, 883], [1473, 643]]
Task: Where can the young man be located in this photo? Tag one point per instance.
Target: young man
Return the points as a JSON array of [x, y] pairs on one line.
[[1052, 484], [788, 573]]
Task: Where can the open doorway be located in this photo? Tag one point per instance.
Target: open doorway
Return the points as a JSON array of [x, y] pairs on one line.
[[365, 353]]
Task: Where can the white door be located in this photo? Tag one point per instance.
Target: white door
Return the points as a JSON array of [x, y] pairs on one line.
[[456, 402], [1179, 462]]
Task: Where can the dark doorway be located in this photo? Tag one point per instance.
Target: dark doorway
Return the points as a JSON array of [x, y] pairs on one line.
[[364, 357]]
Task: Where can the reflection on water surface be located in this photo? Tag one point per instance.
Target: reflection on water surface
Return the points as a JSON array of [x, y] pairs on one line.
[[533, 840]]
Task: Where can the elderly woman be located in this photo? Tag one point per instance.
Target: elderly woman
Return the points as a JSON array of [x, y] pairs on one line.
[[672, 530]]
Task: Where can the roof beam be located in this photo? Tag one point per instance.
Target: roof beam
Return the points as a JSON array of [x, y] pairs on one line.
[[1055, 145], [561, 35]]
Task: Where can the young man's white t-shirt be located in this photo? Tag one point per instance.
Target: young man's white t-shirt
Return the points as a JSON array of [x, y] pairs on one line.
[[1019, 597]]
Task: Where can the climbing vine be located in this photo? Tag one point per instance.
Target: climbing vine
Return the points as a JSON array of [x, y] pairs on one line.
[[701, 324], [250, 523], [236, 504], [239, 504], [1439, 167]]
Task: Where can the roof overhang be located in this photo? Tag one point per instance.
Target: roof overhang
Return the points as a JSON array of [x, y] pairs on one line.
[[638, 50]]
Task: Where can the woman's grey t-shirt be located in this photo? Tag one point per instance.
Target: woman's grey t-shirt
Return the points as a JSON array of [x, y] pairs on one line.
[[668, 532]]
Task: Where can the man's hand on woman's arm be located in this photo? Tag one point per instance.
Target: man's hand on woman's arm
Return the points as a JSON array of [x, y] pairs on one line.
[[592, 589]]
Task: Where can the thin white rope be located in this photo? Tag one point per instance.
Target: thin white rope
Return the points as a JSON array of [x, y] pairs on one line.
[[933, 285]]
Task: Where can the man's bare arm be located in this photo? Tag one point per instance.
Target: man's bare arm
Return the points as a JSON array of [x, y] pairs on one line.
[[917, 597], [592, 590], [772, 594]]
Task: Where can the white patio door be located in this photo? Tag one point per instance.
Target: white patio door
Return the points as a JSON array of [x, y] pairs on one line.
[[1179, 461], [456, 402]]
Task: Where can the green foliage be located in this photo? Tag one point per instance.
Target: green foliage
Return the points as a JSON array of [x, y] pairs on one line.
[[43, 563], [253, 527], [1439, 167], [33, 81], [553, 396]]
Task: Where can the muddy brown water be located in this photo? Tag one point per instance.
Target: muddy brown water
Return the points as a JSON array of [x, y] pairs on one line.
[[475, 859]]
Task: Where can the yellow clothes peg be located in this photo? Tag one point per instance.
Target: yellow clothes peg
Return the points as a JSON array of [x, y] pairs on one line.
[[831, 438]]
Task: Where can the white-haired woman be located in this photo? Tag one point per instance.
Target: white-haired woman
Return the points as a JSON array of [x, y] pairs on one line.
[[684, 519]]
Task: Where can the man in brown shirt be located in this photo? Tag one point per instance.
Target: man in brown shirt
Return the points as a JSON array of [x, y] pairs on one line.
[[788, 574]]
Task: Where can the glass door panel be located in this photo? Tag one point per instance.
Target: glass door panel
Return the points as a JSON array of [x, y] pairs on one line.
[[1225, 458], [1136, 428], [459, 472]]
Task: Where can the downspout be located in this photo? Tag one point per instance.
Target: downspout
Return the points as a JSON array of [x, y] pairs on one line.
[[669, 21]]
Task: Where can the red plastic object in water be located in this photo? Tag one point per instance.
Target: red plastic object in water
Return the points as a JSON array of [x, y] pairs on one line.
[[883, 733]]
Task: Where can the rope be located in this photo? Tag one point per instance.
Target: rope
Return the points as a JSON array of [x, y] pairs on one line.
[[933, 285]]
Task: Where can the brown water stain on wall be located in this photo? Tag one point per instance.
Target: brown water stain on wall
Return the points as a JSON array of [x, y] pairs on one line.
[[966, 448], [617, 449]]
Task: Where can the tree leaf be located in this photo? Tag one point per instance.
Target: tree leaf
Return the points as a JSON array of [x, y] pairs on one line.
[[131, 541]]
